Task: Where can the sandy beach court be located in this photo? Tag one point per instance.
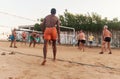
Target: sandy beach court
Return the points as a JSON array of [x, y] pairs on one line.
[[25, 63]]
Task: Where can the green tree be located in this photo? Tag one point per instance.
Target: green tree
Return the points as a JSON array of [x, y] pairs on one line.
[[37, 27]]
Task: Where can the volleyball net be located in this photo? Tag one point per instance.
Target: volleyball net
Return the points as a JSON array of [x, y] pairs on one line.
[[67, 35]]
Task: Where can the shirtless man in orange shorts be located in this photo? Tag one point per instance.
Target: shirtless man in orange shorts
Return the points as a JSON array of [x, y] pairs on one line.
[[51, 31], [106, 37]]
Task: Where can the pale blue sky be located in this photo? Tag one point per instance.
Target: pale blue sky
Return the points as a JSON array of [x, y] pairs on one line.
[[34, 9]]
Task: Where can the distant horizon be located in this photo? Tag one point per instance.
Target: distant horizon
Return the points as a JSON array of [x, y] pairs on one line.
[[36, 9]]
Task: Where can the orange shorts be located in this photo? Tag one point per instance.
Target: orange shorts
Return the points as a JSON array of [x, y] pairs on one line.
[[50, 33]]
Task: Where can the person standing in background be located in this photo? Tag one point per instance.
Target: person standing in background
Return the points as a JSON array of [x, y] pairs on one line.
[[82, 40], [106, 38], [32, 39], [13, 38], [91, 38], [24, 35]]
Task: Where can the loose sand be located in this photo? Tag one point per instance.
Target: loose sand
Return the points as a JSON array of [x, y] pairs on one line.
[[25, 63]]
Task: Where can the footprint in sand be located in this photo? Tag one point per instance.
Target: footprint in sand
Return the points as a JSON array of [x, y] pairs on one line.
[[10, 77], [12, 53], [3, 53]]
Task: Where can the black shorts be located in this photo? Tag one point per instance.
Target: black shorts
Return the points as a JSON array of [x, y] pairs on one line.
[[78, 42], [90, 42], [24, 37], [107, 39], [82, 41]]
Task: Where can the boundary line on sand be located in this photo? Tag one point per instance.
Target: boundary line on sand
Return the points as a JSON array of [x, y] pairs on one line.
[[62, 60]]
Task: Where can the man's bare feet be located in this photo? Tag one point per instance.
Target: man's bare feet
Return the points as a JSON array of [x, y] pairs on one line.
[[110, 53], [101, 53], [43, 63], [15, 46], [54, 59]]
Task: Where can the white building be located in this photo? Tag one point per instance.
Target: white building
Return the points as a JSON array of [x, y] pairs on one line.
[[4, 32], [28, 27]]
